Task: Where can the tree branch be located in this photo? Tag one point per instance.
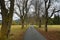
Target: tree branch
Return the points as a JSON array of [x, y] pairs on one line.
[[16, 13], [54, 12], [19, 8]]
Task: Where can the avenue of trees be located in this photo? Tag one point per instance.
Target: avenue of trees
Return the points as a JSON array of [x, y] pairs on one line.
[[38, 10]]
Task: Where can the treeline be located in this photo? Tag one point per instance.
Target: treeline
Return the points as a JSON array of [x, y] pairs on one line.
[[55, 20], [51, 21]]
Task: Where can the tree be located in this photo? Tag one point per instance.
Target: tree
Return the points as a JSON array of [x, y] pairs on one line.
[[6, 19], [46, 13], [23, 12], [37, 12], [21, 15], [47, 6]]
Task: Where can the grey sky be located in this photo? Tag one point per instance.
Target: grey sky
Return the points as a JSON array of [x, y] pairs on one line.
[[57, 4]]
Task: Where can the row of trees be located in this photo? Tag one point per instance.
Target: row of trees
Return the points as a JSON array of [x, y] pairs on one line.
[[24, 7], [38, 10]]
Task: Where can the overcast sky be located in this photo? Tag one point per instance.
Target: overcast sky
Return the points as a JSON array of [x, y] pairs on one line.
[[15, 17]]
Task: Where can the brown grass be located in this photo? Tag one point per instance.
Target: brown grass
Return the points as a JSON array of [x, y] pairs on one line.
[[53, 32], [16, 32]]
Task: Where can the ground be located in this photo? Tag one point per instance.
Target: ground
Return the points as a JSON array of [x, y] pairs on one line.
[[16, 32], [53, 32]]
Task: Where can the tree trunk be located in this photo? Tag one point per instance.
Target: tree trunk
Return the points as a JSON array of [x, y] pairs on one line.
[[6, 25], [26, 18], [46, 25], [4, 29], [46, 22], [9, 26], [22, 23], [6, 19], [26, 24], [36, 19], [39, 23]]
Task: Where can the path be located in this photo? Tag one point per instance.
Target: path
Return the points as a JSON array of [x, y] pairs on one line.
[[32, 34]]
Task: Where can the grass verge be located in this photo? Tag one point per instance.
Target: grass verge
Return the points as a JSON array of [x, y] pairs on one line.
[[53, 32], [16, 32]]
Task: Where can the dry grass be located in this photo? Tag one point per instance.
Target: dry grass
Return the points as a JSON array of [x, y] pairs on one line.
[[53, 32], [16, 32]]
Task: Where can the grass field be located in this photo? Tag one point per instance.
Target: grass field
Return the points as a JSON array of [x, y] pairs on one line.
[[18, 34], [50, 27], [53, 32]]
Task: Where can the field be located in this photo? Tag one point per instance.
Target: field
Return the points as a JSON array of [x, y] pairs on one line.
[[53, 32], [18, 34]]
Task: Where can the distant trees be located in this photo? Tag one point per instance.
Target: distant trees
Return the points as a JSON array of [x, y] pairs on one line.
[[25, 10], [6, 19], [56, 19], [37, 12]]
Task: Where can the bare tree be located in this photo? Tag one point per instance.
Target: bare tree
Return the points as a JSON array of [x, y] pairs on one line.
[[6, 19], [47, 6], [37, 12], [23, 12], [36, 6], [46, 12]]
